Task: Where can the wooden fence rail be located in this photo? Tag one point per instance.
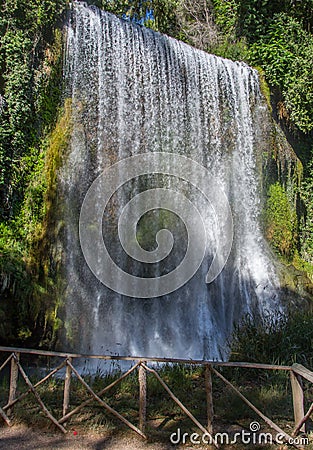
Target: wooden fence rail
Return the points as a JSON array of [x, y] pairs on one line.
[[297, 374]]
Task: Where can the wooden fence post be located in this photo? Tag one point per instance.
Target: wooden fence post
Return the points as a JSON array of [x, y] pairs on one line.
[[209, 397], [298, 398], [67, 387], [142, 377], [13, 382]]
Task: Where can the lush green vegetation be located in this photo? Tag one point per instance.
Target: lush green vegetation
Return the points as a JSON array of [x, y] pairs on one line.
[[30, 84], [307, 220], [30, 89], [275, 339], [281, 221]]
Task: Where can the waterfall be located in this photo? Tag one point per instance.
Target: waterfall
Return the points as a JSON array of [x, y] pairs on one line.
[[140, 94]]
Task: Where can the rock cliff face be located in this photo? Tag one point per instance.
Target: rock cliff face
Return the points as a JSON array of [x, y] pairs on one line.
[[282, 176]]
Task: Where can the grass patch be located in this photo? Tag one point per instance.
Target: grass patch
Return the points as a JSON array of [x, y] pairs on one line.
[[275, 339]]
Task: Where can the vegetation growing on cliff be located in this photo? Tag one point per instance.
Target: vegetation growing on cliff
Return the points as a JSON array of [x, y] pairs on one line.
[[281, 221], [30, 92]]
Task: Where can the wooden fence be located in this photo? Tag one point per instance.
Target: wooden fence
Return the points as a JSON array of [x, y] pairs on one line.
[[141, 365]]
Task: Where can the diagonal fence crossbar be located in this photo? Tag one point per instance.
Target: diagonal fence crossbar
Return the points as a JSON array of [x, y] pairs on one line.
[[103, 391], [303, 421], [5, 417], [297, 374], [37, 396], [104, 404], [256, 410], [6, 362], [25, 394], [180, 404]]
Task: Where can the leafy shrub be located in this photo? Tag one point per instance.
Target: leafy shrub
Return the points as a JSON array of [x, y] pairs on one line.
[[285, 52], [26, 32]]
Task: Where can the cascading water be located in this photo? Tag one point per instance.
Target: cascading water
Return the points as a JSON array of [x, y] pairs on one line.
[[135, 92]]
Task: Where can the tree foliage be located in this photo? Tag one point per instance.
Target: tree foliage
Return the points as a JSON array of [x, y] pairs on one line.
[[196, 24], [285, 53], [25, 33], [30, 88]]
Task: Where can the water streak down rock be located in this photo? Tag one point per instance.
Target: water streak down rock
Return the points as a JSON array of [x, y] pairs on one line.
[[136, 91]]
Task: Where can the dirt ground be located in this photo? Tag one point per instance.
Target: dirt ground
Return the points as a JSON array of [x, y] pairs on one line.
[[22, 438]]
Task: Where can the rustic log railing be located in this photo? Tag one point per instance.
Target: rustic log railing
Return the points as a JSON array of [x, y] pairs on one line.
[[297, 374]]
